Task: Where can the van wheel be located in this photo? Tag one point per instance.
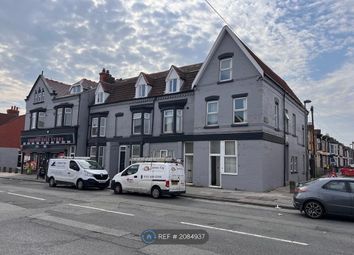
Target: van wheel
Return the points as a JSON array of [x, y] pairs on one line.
[[52, 182], [156, 192], [80, 185], [118, 189]]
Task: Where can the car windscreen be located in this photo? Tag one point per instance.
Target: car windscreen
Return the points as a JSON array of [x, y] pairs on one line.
[[90, 164]]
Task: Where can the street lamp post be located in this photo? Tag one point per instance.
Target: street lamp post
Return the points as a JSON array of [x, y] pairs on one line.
[[313, 144], [306, 140]]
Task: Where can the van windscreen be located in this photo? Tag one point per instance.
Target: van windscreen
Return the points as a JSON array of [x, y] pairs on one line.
[[89, 164]]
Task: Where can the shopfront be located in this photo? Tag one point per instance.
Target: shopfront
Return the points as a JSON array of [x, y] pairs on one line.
[[38, 146]]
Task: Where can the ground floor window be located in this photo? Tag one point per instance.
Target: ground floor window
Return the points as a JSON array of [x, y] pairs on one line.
[[293, 164], [222, 160], [100, 156]]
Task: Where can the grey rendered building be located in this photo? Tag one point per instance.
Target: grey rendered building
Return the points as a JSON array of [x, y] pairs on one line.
[[234, 122], [56, 120]]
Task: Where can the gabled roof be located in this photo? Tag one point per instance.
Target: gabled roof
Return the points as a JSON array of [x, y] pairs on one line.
[[262, 68], [60, 89], [124, 89]]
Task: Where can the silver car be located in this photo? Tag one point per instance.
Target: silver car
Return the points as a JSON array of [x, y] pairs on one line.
[[325, 196]]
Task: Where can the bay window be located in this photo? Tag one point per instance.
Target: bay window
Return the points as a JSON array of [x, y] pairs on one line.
[[40, 119], [147, 123], [137, 122], [168, 121], [33, 120], [94, 127], [179, 120], [102, 127]]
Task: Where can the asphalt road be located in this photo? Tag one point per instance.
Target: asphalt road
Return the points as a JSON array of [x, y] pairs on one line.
[[36, 219]]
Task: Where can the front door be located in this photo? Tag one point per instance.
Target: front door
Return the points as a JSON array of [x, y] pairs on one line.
[[189, 168], [122, 154], [215, 171]]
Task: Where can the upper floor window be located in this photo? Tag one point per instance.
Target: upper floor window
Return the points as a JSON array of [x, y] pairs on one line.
[[240, 110], [142, 90], [98, 126], [212, 113], [286, 121], [99, 97], [276, 114], [172, 121], [294, 124], [137, 123], [64, 116], [225, 72], [172, 86], [39, 95], [75, 89], [37, 119], [147, 123]]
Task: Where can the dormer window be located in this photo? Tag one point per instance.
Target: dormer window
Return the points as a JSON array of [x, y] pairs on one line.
[[172, 87], [75, 89], [99, 98], [142, 90]]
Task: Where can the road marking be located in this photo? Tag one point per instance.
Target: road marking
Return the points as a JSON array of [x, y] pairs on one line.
[[2, 191], [20, 195], [245, 233], [102, 210], [81, 225]]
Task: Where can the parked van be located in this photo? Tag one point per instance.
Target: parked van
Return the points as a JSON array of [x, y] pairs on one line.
[[80, 172], [151, 177]]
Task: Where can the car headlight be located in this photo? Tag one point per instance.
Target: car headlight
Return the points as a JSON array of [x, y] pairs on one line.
[[88, 174]]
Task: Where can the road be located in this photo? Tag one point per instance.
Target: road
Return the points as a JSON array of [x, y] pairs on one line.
[[37, 219]]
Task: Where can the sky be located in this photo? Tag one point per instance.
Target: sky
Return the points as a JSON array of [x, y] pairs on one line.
[[309, 43]]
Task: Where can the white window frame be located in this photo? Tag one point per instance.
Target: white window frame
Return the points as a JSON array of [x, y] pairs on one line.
[[163, 151], [103, 120], [101, 155], [142, 90], [179, 121], [39, 116], [100, 97], [173, 83], [147, 123], [33, 120], [222, 156], [137, 119], [164, 121], [244, 109], [59, 117], [132, 149], [93, 151], [67, 111], [212, 113], [94, 125], [225, 69]]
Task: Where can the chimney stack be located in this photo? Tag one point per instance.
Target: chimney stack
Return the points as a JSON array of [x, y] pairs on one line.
[[13, 111], [105, 76]]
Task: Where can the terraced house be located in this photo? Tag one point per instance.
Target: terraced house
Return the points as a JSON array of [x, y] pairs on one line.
[[235, 123], [56, 120]]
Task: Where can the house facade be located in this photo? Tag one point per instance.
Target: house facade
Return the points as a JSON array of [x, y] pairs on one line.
[[11, 125], [233, 121], [56, 120]]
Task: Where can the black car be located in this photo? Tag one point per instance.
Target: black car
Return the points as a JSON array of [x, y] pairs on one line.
[[325, 196]]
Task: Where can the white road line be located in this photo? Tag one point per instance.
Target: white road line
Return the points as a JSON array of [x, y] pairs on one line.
[[245, 233], [20, 195], [2, 191], [102, 210]]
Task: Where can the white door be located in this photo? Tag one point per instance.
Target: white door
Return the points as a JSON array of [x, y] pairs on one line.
[[189, 168]]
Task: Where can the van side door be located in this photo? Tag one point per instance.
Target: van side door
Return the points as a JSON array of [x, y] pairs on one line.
[[72, 171]]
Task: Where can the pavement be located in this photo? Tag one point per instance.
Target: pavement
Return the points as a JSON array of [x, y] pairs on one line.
[[280, 197], [38, 219]]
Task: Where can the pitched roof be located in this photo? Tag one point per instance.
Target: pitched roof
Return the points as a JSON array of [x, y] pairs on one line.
[[61, 89], [271, 74], [124, 89], [10, 132], [86, 84], [257, 62]]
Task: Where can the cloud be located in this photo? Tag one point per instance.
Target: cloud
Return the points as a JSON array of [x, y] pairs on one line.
[[74, 39]]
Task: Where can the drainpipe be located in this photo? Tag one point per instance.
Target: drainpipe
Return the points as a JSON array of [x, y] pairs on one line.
[[284, 134]]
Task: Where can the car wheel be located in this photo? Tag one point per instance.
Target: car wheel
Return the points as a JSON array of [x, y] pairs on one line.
[[155, 192], [52, 182], [313, 210], [80, 185], [118, 189]]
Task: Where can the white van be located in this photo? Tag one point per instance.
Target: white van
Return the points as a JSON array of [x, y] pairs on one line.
[[80, 172], [155, 178]]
